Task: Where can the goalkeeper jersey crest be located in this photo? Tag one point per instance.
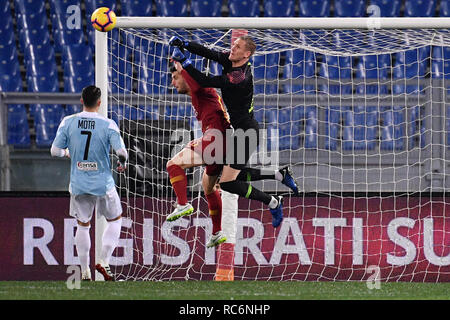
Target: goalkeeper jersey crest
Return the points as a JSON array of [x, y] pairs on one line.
[[89, 138]]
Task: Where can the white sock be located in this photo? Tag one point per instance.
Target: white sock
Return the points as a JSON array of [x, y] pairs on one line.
[[273, 203], [83, 245], [110, 239], [278, 175]]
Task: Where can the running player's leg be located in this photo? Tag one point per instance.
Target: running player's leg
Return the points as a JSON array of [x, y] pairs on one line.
[[230, 183], [111, 208], [186, 158], [81, 208], [212, 194], [284, 175]]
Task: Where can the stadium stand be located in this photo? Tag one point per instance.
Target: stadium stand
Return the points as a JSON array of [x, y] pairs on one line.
[[137, 8], [349, 8], [314, 8], [388, 8], [39, 51], [206, 8], [279, 8], [414, 8], [246, 8], [174, 8]]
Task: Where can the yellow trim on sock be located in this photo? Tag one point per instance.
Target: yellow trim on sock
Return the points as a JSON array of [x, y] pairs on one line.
[[213, 212], [176, 179]]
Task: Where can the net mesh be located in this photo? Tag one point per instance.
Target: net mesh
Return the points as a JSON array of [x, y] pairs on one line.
[[362, 118]]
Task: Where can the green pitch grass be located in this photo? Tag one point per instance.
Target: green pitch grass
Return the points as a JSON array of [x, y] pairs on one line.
[[207, 290]]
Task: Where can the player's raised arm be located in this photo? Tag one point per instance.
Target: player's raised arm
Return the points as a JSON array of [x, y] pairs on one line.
[[202, 79], [198, 49]]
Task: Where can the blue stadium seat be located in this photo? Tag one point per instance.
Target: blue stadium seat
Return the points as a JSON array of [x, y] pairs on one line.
[[258, 113], [10, 83], [266, 68], [81, 68], [179, 112], [5, 15], [9, 61], [388, 8], [137, 8], [206, 8], [46, 118], [299, 65], [29, 6], [288, 131], [243, 8], [359, 129], [336, 68], [77, 52], [92, 5], [211, 37], [7, 41], [414, 8], [152, 78], [349, 8], [61, 7], [444, 8], [35, 20], [64, 33], [411, 64], [75, 84], [279, 8], [43, 83], [174, 8], [375, 69], [34, 36], [314, 8], [393, 128], [18, 129], [40, 60], [440, 64], [332, 127], [47, 113], [121, 71], [311, 123], [65, 37]]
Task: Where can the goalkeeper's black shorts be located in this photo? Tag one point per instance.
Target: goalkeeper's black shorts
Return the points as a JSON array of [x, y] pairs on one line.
[[245, 141]]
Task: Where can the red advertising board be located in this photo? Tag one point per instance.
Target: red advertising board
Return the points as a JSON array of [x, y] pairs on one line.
[[321, 238]]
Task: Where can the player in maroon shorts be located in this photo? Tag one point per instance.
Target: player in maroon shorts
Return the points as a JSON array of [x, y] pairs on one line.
[[214, 121]]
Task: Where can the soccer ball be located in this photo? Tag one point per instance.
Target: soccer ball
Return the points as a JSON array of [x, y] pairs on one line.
[[103, 19]]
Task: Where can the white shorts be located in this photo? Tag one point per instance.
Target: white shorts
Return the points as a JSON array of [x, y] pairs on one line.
[[82, 206]]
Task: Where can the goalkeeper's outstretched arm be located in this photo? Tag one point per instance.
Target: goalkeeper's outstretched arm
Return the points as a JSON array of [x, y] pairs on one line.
[[198, 49]]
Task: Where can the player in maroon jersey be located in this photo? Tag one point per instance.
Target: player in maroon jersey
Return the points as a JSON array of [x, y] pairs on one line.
[[214, 120]]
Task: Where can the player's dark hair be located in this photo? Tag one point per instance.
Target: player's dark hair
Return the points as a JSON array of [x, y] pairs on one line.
[[90, 96], [249, 43], [172, 67]]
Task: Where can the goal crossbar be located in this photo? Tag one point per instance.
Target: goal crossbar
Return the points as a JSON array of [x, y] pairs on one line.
[[284, 23]]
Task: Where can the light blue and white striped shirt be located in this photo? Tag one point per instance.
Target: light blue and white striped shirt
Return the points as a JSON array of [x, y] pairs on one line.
[[89, 138]]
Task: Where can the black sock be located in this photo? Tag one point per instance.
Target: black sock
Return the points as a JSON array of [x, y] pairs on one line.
[[246, 190], [254, 174]]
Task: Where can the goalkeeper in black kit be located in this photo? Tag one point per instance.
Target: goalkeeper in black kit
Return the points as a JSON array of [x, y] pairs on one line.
[[236, 84]]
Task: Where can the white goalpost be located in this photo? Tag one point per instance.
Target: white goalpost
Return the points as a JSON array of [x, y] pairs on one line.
[[357, 107]]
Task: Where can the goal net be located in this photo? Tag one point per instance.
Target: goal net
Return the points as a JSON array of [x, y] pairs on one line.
[[361, 116]]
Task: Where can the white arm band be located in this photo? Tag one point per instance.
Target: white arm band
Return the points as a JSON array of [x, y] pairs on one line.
[[57, 152]]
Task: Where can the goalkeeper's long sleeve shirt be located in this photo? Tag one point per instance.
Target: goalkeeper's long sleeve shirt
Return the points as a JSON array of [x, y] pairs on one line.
[[236, 84]]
